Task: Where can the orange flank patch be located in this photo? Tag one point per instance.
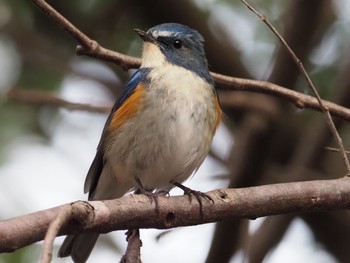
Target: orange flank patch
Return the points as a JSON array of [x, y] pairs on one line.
[[219, 112], [128, 109]]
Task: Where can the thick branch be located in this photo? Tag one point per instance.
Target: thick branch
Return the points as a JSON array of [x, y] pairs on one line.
[[136, 211]]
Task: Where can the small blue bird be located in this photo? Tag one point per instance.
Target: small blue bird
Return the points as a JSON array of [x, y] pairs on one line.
[[160, 128]]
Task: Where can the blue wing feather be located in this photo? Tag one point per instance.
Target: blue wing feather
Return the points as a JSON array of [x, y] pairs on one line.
[[139, 76], [96, 167]]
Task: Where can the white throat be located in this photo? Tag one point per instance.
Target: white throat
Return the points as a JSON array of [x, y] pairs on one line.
[[152, 56]]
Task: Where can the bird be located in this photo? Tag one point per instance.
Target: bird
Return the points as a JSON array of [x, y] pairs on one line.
[[160, 128]]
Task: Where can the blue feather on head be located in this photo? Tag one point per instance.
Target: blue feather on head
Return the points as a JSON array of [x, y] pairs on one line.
[[182, 46]]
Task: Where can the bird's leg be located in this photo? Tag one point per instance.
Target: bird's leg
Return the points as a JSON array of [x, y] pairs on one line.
[[197, 194], [153, 196]]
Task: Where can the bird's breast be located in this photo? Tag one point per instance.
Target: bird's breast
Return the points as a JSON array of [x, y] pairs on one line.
[[171, 134]]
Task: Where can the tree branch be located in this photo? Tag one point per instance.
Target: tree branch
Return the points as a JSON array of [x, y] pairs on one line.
[[91, 48], [298, 99], [136, 211], [87, 45], [133, 250], [54, 227]]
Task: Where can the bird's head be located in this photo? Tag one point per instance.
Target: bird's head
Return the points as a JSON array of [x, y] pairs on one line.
[[175, 44]]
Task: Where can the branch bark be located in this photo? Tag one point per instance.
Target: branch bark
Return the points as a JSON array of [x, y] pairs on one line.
[[136, 211]]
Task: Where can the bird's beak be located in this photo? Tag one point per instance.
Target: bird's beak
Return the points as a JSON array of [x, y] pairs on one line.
[[145, 36]]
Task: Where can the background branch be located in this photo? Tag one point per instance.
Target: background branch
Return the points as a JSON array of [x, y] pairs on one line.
[[298, 99], [49, 99]]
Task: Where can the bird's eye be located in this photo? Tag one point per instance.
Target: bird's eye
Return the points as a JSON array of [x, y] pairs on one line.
[[177, 44]]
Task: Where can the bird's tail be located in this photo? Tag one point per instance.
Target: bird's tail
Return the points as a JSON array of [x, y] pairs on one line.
[[78, 246]]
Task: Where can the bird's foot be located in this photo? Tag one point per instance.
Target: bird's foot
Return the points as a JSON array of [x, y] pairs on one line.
[[153, 196], [197, 194]]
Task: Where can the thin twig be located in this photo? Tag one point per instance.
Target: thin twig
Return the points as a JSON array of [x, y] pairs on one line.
[[301, 67], [335, 150], [63, 216], [300, 100]]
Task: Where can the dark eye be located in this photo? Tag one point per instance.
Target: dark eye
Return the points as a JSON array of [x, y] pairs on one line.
[[177, 44]]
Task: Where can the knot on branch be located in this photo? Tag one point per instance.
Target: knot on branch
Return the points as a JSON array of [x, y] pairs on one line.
[[89, 48], [83, 213], [299, 104]]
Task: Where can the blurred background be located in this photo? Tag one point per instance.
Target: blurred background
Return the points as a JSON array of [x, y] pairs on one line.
[[46, 151]]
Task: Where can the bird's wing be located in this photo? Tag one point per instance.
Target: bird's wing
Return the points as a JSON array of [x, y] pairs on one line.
[[124, 108]]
